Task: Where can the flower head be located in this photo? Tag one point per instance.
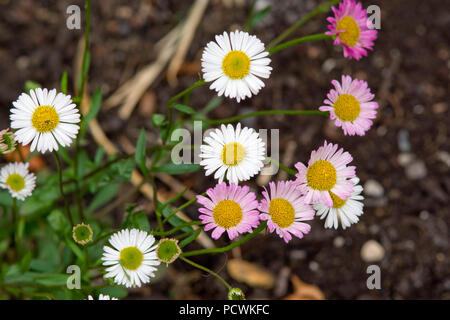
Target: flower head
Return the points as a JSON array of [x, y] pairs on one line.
[[132, 259], [233, 153], [350, 105], [82, 233], [352, 28], [285, 209], [45, 119], [7, 142], [346, 211], [102, 297], [236, 294], [168, 250], [327, 171], [229, 208], [235, 63], [18, 180]]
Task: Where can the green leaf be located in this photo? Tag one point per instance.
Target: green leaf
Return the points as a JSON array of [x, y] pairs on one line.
[[138, 220], [191, 238], [95, 106], [258, 16], [104, 195], [214, 103], [172, 168], [58, 221], [99, 154], [124, 168], [31, 85], [184, 109], [157, 120], [113, 291], [52, 279], [64, 82], [139, 156], [174, 220]]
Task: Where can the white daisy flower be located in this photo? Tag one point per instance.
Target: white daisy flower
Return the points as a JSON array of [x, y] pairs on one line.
[[346, 211], [102, 297], [45, 119], [16, 178], [237, 154], [132, 259], [235, 63]]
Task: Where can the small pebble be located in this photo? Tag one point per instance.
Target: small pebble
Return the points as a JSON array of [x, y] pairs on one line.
[[403, 141], [416, 170], [405, 158], [339, 242], [424, 215], [313, 266], [372, 251], [298, 254], [373, 188]]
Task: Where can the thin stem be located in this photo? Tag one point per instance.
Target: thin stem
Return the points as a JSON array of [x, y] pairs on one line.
[[244, 239], [180, 208], [312, 37], [61, 190], [155, 202], [192, 263], [199, 83], [181, 226], [19, 151], [282, 167], [266, 112], [16, 221], [87, 6], [322, 8], [78, 191]]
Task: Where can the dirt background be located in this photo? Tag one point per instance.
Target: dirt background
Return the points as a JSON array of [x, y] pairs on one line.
[[403, 160]]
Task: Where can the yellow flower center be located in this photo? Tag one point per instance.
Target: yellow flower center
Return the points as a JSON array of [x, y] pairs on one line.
[[227, 214], [233, 153], [282, 212], [16, 182], [321, 175], [347, 107], [351, 35], [337, 202], [236, 64], [131, 258], [45, 118]]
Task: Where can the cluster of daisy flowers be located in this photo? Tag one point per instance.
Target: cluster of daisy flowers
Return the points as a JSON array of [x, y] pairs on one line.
[[327, 185], [236, 64]]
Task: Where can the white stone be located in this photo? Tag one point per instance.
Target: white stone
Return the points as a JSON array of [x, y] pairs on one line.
[[372, 251], [373, 188]]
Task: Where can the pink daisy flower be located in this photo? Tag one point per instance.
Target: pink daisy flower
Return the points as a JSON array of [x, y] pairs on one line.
[[352, 29], [350, 105], [284, 209], [229, 208], [327, 172]]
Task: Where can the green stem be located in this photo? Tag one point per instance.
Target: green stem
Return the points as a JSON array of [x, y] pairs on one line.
[[181, 226], [244, 239], [312, 37], [282, 167], [199, 83], [78, 191], [156, 203], [61, 190], [266, 112], [192, 263], [322, 8], [16, 220], [188, 203]]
